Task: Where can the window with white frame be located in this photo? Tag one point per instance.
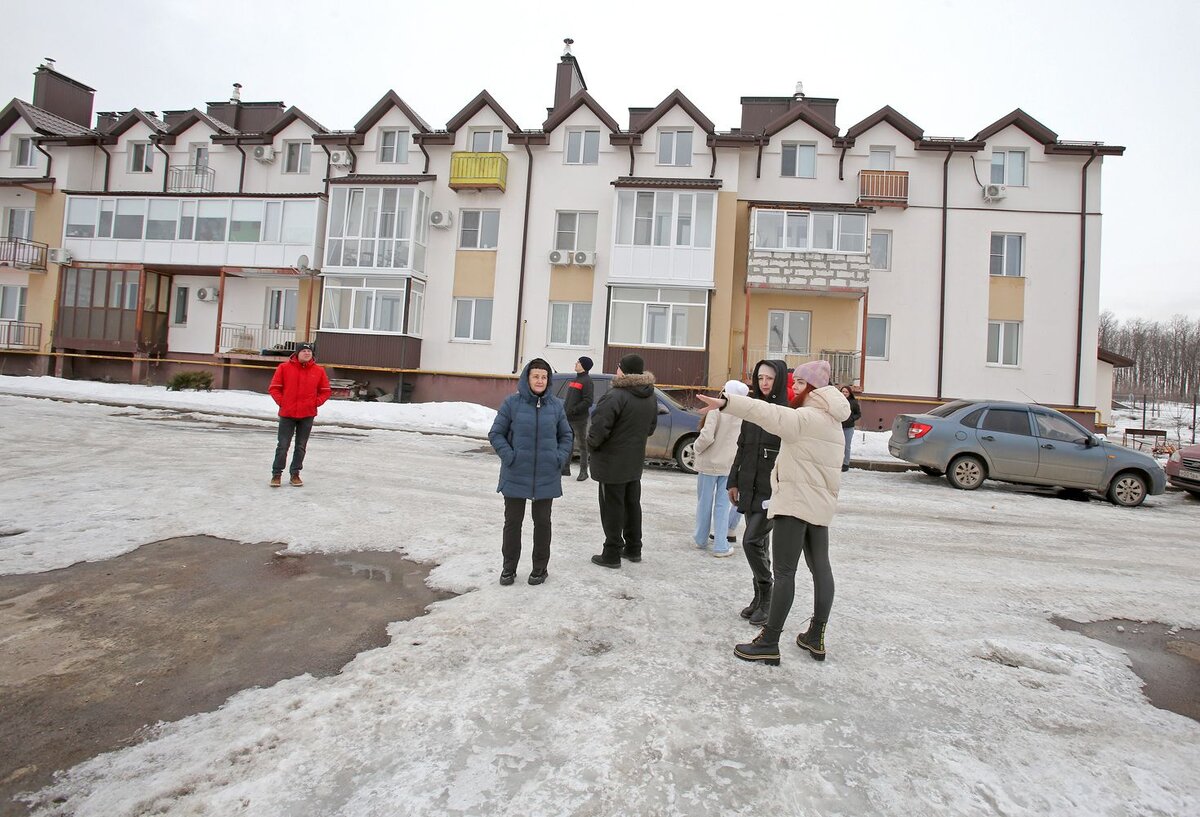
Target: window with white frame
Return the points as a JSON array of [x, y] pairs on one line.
[[1004, 343], [382, 227], [583, 147], [881, 158], [479, 229], [1008, 255], [1008, 167], [160, 219], [575, 231], [416, 306], [675, 147], [23, 151], [12, 302], [798, 160], [664, 218], [281, 308], [297, 157], [18, 223], [198, 154], [570, 323], [788, 332], [364, 304], [802, 230], [644, 316], [179, 314], [881, 249], [489, 140], [393, 146], [473, 319], [141, 157], [878, 332]]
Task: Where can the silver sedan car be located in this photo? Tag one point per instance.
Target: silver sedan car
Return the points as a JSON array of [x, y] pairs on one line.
[[972, 440]]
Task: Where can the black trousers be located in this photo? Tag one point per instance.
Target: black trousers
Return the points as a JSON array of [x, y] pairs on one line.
[[621, 516], [756, 544], [791, 538], [514, 517], [579, 430], [300, 427]]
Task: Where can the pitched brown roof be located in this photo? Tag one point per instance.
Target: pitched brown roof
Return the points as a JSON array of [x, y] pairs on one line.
[[581, 100], [1118, 361], [481, 101], [802, 113], [1023, 121], [386, 103], [42, 121], [675, 98], [131, 118], [892, 117], [291, 115]]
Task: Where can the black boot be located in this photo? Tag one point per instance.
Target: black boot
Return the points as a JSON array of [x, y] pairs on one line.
[[749, 609], [759, 617], [632, 554], [813, 639], [764, 648], [610, 557]]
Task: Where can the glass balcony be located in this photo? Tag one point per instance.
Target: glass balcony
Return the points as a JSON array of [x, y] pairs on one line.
[[478, 171]]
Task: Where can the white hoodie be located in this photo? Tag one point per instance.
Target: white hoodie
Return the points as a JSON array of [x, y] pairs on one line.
[[717, 445]]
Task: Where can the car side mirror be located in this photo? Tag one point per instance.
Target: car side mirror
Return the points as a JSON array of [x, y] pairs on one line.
[[663, 409], [1092, 441]]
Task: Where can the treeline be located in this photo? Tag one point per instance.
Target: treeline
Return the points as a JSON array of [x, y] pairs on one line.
[[1166, 356]]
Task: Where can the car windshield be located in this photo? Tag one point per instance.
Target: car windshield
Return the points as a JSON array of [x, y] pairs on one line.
[[950, 408], [666, 398]]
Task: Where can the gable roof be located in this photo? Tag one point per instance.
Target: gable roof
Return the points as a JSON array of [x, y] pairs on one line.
[[802, 113], [892, 117], [388, 101], [675, 98], [291, 115], [131, 118], [581, 100], [41, 121], [481, 101], [191, 118], [1022, 120]]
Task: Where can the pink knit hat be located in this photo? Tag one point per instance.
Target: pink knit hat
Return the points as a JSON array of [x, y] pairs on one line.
[[815, 373]]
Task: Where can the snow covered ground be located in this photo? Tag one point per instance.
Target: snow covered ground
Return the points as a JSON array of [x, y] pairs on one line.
[[947, 690]]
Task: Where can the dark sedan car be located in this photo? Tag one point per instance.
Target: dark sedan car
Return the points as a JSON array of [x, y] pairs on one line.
[[971, 440], [677, 429], [1183, 469]]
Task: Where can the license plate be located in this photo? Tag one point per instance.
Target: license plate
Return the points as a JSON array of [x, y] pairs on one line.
[[1188, 473]]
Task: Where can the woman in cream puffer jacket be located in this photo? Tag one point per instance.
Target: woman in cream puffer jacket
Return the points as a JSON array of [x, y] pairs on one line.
[[804, 489]]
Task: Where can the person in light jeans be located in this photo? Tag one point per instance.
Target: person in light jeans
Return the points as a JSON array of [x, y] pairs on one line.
[[715, 449], [848, 424]]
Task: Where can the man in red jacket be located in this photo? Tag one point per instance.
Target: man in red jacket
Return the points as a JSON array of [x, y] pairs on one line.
[[299, 387]]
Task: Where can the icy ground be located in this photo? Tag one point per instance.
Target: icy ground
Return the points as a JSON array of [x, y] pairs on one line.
[[947, 690]]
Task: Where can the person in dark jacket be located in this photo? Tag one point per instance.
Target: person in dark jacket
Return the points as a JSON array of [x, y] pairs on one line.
[[299, 387], [533, 439], [750, 485], [579, 406], [623, 420], [848, 424]]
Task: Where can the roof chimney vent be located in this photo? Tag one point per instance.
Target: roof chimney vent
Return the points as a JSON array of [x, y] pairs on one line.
[[49, 62], [567, 43], [236, 96], [799, 91]]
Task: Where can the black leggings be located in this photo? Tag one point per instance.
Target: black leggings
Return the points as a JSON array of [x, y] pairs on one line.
[[790, 538]]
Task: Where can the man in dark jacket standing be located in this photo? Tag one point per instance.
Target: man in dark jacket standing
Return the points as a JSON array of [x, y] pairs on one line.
[[623, 420], [299, 386], [579, 406]]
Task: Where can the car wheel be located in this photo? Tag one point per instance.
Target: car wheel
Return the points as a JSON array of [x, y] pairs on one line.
[[931, 472], [685, 454], [966, 472], [1127, 490], [1195, 494]]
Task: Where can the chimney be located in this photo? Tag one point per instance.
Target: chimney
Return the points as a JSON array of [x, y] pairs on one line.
[[636, 115], [61, 95], [236, 96], [568, 81], [173, 118], [106, 119]]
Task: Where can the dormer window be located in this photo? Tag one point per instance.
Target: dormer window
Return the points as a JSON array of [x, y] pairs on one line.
[[297, 157], [799, 160], [141, 157], [487, 141], [583, 147], [1008, 167], [675, 147], [882, 158], [393, 146], [23, 151]]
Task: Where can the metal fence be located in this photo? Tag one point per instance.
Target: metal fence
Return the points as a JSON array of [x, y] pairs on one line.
[[843, 366], [20, 335], [191, 179], [22, 253], [253, 339]]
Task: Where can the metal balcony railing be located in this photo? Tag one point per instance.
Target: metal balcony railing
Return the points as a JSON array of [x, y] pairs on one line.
[[883, 187], [478, 171], [20, 335], [252, 339], [23, 254], [190, 179], [843, 366]]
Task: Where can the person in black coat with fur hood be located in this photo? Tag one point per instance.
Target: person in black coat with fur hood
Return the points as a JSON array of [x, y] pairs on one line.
[[750, 484], [623, 420]]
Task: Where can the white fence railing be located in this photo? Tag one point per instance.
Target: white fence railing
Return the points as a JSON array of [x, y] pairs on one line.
[[249, 338]]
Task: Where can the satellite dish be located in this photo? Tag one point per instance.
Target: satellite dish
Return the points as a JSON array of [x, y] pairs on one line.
[[302, 262]]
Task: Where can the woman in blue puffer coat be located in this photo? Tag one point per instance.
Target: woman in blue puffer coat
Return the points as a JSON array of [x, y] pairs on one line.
[[533, 439]]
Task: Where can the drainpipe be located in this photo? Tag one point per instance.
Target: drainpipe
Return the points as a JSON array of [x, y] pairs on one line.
[[421, 145], [942, 293], [712, 173], [46, 153], [1082, 272], [166, 162], [328, 167], [353, 156], [524, 248], [862, 359], [746, 336], [107, 162], [631, 157], [841, 162], [237, 143], [762, 141]]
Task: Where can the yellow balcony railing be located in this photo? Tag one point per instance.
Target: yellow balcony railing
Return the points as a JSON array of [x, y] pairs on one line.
[[478, 171]]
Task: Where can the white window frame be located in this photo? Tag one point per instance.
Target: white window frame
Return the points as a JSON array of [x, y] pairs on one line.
[[573, 232], [1003, 255], [276, 308], [668, 141], [495, 138], [13, 301], [811, 216], [198, 154], [303, 150], [577, 312], [579, 141], [886, 235], [416, 307], [487, 219], [794, 147], [652, 309], [789, 316], [874, 152], [664, 226], [409, 234], [1003, 330], [474, 303], [24, 153], [368, 288], [399, 147], [1002, 171], [179, 307], [887, 337], [23, 223], [147, 163]]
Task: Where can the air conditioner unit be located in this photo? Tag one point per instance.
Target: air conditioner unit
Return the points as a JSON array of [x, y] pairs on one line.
[[440, 219], [59, 255], [207, 294], [994, 192], [339, 158], [560, 257], [584, 259], [264, 153]]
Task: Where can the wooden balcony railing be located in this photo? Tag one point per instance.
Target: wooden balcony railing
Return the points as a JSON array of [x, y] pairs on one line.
[[20, 335], [23, 254], [888, 188], [253, 339], [190, 179], [478, 171]]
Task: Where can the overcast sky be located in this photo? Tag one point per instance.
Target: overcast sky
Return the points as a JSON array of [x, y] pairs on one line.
[[1116, 72]]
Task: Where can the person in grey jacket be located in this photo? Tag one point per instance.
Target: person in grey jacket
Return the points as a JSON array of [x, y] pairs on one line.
[[623, 420], [533, 439], [579, 406]]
